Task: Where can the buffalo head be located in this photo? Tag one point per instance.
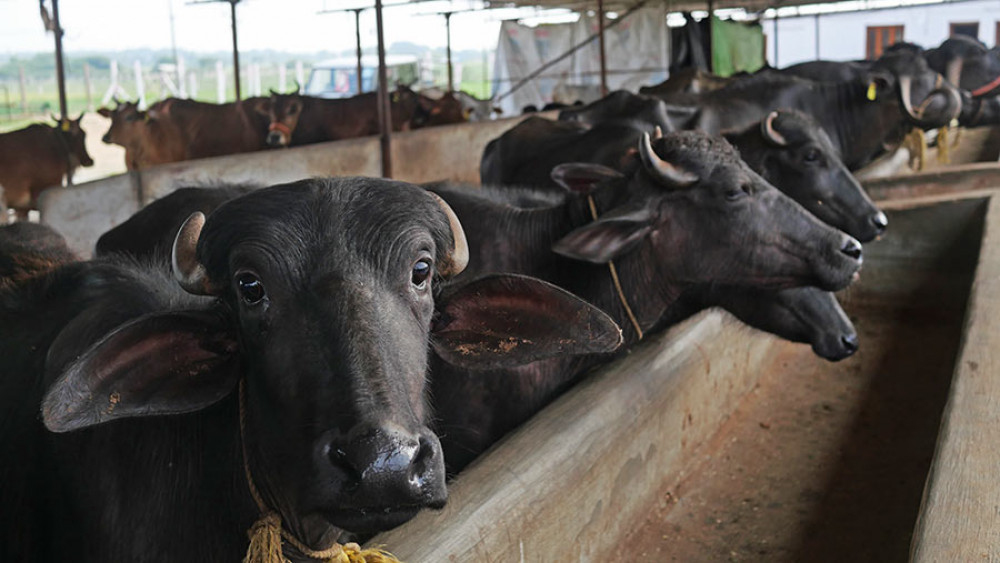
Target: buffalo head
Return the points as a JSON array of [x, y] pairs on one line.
[[697, 211]]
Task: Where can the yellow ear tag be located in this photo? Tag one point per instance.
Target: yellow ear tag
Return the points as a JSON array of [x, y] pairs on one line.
[[871, 91], [65, 126]]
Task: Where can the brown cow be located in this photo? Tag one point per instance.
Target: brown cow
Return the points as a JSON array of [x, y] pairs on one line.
[[147, 142], [302, 120], [174, 129], [445, 110], [38, 157]]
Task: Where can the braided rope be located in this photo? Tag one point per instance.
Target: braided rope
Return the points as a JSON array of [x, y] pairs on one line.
[[614, 278]]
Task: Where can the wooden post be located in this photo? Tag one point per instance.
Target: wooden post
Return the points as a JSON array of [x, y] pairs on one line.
[[236, 49], [384, 107], [282, 79], [600, 40], [451, 70], [357, 37], [60, 69]]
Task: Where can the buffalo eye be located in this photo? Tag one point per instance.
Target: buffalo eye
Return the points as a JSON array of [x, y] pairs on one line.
[[733, 194], [812, 155], [251, 288], [421, 272]]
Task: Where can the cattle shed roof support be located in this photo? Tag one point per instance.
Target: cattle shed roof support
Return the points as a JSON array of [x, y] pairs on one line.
[[236, 49], [603, 57], [447, 30], [357, 39], [384, 108]]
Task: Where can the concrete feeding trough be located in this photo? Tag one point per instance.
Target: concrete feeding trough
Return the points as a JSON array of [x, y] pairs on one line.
[[577, 481]]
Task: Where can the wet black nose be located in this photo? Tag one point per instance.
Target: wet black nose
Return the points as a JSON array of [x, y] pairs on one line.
[[880, 221], [851, 248], [274, 139], [850, 342], [389, 464]]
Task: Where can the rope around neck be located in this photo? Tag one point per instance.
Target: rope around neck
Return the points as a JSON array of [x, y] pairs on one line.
[[614, 277], [267, 534]]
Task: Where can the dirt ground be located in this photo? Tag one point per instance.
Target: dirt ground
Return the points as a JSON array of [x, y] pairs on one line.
[[822, 461], [108, 159]]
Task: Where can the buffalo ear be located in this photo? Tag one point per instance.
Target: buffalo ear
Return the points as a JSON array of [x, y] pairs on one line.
[[162, 363], [505, 321], [583, 177], [104, 112], [607, 238]]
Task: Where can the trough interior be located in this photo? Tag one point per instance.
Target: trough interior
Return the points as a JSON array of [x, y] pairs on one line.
[[827, 461]]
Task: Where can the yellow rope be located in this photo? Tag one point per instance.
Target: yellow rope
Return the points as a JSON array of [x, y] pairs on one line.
[[614, 277], [943, 155], [916, 142], [266, 534]]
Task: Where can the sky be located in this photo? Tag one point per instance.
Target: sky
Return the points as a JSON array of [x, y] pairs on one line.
[[284, 25]]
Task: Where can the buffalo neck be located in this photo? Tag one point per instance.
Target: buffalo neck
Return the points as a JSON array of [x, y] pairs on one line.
[[858, 127]]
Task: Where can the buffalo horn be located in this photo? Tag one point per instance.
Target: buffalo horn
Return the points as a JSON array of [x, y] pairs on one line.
[[458, 259], [668, 174], [657, 133], [954, 71], [190, 273], [767, 129], [904, 97]]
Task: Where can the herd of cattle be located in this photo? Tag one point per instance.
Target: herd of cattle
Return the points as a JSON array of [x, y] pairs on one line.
[[330, 350]]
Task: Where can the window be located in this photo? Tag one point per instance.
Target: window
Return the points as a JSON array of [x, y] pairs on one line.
[[970, 28], [880, 37]]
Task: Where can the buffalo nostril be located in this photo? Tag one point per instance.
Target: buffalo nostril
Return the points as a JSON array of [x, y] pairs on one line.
[[850, 342], [880, 221], [851, 248], [340, 460]]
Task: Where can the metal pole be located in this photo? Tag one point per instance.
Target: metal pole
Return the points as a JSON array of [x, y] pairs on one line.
[[600, 41], [384, 108], [776, 65], [357, 37], [236, 50], [711, 47], [817, 35], [60, 70], [451, 75]]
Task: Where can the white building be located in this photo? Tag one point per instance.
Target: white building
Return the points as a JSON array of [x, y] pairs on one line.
[[856, 34]]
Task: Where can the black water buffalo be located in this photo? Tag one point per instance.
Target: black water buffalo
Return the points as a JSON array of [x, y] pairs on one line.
[[30, 250], [792, 152], [294, 358], [150, 232], [803, 314], [966, 63], [688, 213], [788, 148], [624, 105], [862, 115]]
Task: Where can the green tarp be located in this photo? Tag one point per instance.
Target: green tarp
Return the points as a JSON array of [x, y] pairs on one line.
[[736, 47]]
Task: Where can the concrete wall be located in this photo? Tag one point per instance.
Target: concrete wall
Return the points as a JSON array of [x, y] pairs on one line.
[[84, 212], [843, 36]]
